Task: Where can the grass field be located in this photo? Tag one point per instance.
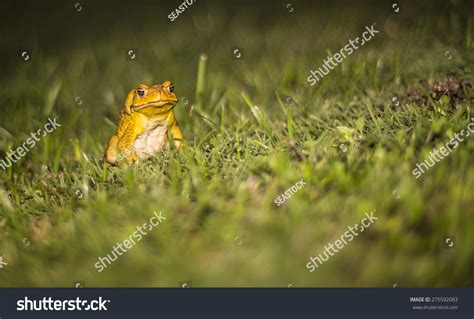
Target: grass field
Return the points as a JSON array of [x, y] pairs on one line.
[[253, 127]]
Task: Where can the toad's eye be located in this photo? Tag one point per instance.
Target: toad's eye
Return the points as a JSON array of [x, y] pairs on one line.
[[141, 91], [171, 88]]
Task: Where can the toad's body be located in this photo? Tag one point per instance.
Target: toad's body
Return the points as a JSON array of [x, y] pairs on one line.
[[154, 137], [146, 122]]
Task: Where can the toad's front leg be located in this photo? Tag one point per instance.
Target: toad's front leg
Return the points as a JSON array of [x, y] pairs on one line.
[[111, 153], [127, 147], [129, 153], [177, 134]]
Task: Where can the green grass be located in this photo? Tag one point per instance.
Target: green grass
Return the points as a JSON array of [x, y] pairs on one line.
[[245, 144]]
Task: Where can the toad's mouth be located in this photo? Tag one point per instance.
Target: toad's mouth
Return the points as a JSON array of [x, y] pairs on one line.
[[159, 103]]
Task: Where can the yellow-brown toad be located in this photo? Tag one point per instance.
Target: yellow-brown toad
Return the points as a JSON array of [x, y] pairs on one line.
[[146, 121]]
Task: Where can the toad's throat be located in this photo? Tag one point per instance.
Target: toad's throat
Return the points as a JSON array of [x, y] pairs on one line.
[[159, 103]]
